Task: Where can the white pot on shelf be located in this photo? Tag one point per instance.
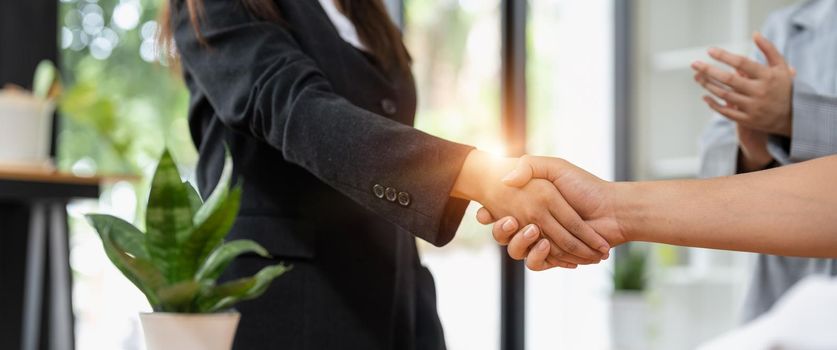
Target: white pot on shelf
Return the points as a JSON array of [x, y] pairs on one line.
[[629, 321], [25, 129], [173, 331]]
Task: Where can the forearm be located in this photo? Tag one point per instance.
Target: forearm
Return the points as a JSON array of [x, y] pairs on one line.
[[785, 211]]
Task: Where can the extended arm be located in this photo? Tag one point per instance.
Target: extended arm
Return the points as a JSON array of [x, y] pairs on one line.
[[784, 211]]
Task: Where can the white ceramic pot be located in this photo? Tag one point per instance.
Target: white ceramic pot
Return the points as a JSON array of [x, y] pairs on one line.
[[172, 331], [629, 321], [25, 129]]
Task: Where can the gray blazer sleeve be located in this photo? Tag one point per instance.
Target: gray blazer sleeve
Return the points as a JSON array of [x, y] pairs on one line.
[[718, 148], [814, 135], [814, 124]]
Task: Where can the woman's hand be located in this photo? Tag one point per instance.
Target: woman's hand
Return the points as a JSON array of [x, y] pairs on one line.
[[535, 202], [588, 195]]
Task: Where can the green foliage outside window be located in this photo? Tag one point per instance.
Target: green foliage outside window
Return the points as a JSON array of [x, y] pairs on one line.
[[122, 106]]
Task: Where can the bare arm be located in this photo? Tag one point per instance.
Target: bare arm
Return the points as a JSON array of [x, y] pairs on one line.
[[785, 211]]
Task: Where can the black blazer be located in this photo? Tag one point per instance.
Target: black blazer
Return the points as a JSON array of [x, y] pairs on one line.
[[336, 182]]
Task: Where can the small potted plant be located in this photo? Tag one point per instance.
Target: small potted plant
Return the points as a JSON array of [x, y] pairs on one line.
[[629, 325], [26, 117], [177, 261]]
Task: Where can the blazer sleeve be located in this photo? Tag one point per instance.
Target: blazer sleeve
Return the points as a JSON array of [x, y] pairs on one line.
[[814, 132], [814, 124], [718, 149], [261, 84]]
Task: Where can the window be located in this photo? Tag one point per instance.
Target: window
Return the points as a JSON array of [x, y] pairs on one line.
[[570, 115], [455, 47]]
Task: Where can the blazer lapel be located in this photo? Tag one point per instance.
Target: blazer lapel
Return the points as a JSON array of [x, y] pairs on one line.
[[351, 56]]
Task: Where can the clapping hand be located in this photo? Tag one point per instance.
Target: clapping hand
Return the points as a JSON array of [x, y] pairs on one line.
[[758, 97], [762, 93], [587, 195]]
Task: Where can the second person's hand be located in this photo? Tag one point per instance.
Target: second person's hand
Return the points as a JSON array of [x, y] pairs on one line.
[[536, 202], [588, 195]]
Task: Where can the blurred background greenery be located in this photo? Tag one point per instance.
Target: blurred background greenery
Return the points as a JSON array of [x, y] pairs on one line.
[[123, 105]]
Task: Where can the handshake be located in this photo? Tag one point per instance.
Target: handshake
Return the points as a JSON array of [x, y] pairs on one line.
[[554, 214], [545, 210]]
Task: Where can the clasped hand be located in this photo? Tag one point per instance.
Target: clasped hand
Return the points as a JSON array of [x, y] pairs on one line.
[[552, 213]]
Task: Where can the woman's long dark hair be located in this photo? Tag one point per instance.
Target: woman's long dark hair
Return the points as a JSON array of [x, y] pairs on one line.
[[374, 27]]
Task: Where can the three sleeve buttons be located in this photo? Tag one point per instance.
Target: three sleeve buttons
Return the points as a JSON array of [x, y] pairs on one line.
[[392, 195]]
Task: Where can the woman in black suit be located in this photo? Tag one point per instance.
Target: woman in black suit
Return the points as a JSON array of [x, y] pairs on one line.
[[336, 181]]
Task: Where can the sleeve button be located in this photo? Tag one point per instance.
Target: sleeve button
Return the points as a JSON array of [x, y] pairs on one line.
[[378, 190], [404, 199], [389, 106], [391, 194]]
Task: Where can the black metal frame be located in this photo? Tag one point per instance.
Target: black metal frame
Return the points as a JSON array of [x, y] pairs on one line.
[[513, 107], [622, 113], [623, 108], [38, 311], [17, 189]]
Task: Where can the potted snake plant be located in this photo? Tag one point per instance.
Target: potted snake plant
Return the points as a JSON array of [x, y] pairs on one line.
[[177, 261]]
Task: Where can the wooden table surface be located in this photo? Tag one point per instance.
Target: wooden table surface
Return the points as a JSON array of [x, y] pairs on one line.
[[33, 182], [45, 174], [48, 174]]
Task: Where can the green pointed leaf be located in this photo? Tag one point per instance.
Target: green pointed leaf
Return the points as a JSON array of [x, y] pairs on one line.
[[195, 200], [147, 277], [211, 233], [223, 296], [179, 297], [219, 194], [122, 232], [214, 219], [168, 216], [221, 257], [140, 271], [230, 293]]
